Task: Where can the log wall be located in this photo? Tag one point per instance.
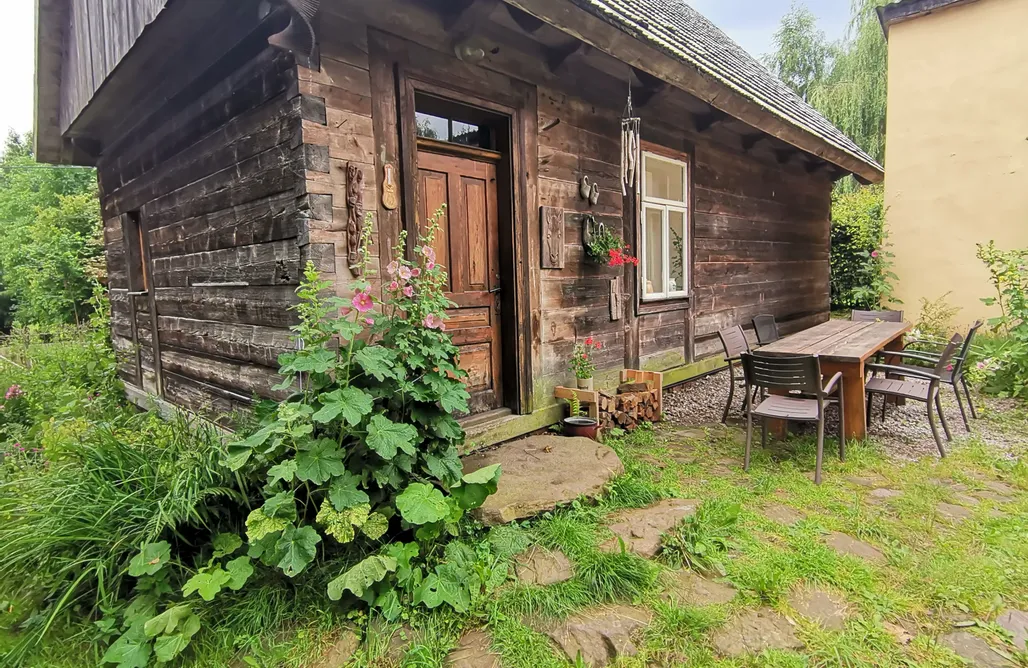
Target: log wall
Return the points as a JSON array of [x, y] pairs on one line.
[[217, 185]]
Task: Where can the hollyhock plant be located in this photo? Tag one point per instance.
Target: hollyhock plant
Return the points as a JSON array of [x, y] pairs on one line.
[[363, 301], [581, 363]]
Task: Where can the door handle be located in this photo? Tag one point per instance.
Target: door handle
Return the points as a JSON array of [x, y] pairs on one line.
[[495, 290]]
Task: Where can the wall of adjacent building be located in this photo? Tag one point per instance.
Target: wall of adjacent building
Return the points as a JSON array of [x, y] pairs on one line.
[[957, 148]]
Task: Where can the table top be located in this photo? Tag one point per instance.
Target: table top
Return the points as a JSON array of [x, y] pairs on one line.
[[840, 340]]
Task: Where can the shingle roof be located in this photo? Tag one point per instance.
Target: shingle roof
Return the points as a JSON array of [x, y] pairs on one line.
[[682, 32]]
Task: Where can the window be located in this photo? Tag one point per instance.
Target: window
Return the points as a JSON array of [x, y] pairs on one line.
[[665, 228], [448, 129]]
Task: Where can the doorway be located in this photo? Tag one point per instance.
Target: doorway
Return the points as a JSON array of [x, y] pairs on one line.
[[463, 162]]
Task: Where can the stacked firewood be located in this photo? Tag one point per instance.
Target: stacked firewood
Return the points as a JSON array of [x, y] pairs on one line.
[[634, 403]]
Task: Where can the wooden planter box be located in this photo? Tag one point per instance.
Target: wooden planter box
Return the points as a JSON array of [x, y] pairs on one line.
[[624, 409]]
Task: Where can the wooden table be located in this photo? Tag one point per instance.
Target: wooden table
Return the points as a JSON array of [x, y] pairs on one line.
[[842, 345]]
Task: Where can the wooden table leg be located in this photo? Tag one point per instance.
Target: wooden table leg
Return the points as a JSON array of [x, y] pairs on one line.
[[854, 408], [895, 344]]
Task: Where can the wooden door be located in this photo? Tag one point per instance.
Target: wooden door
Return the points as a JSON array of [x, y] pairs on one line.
[[468, 245]]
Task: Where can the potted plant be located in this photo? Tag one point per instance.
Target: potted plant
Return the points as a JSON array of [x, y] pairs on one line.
[[581, 363], [577, 425], [606, 247]]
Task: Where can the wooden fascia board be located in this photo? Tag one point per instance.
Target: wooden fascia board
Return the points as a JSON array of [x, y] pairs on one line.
[[617, 43], [51, 17]]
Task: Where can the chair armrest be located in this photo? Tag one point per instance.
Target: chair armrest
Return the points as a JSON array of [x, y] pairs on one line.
[[914, 355], [903, 371], [923, 342], [835, 380]]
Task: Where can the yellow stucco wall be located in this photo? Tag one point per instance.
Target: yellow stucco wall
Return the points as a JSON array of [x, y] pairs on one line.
[[957, 148]]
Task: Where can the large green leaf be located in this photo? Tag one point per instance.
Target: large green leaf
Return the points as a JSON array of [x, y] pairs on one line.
[[357, 579], [150, 559], [207, 584], [259, 526], [298, 547], [284, 471], [225, 544], [448, 584], [343, 492], [475, 487], [319, 462], [385, 437], [422, 504], [282, 506], [167, 621], [350, 402], [167, 648], [317, 360], [403, 553], [131, 650], [377, 361], [342, 525], [375, 526], [454, 398], [446, 467], [239, 569]]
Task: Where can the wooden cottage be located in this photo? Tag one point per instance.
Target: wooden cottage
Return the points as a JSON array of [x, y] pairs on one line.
[[237, 139]]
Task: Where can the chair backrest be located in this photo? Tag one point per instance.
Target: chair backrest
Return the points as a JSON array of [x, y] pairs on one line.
[[780, 372], [946, 357], [961, 358], [877, 316], [734, 341], [766, 328]]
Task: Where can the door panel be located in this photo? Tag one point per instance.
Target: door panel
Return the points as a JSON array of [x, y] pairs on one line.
[[467, 244]]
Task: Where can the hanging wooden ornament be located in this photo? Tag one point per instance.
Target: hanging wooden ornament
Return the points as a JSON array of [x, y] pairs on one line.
[[631, 143]]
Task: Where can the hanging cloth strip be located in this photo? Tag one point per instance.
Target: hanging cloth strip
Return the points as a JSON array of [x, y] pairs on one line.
[[631, 127]]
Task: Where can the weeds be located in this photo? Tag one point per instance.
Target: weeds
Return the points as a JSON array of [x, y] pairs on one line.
[[701, 540]]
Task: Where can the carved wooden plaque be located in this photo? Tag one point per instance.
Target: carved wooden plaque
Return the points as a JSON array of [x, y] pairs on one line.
[[617, 298], [355, 217], [553, 237], [390, 196]]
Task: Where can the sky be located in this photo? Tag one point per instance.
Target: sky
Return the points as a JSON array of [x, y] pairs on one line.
[[751, 23]]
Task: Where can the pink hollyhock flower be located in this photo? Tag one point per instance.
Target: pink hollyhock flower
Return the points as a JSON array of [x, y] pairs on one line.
[[13, 391], [430, 266], [369, 321], [362, 302], [408, 291], [874, 253], [589, 341], [393, 267], [404, 272], [428, 252], [432, 321], [415, 272], [394, 286]]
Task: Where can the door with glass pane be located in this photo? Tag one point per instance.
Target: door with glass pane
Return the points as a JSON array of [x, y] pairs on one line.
[[664, 244]]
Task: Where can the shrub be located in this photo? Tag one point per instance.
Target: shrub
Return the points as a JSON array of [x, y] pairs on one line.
[[1008, 363], [861, 263]]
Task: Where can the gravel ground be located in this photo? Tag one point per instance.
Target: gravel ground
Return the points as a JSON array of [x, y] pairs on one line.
[[905, 434]]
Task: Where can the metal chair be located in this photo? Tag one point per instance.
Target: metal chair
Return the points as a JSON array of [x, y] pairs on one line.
[[733, 340], [905, 389], [766, 328], [791, 375], [876, 316], [954, 376]]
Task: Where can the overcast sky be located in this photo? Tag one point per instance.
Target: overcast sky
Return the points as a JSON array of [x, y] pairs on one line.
[[749, 22]]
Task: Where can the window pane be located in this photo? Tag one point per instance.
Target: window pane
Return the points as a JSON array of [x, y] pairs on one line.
[[677, 251], [432, 127], [654, 253], [664, 180], [465, 133]]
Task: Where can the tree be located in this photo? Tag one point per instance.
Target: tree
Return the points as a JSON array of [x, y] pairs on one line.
[[50, 238], [802, 54]]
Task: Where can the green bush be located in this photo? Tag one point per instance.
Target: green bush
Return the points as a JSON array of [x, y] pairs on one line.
[[861, 274], [1003, 358]]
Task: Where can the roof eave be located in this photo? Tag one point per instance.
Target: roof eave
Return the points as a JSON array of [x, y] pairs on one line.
[[905, 10], [51, 18], [596, 32]]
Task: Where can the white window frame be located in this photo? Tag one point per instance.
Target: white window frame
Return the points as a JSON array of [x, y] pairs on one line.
[[666, 207]]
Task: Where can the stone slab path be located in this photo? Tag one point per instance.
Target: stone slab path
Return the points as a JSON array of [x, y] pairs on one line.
[[474, 651], [686, 587], [848, 545], [826, 608], [539, 566], [541, 473], [952, 512], [783, 514], [753, 632], [974, 650], [600, 635], [1016, 623], [641, 528]]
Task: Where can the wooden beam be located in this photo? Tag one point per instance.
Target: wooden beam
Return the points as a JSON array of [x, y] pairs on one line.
[[464, 15], [815, 165], [784, 155], [559, 55], [751, 140], [704, 122], [525, 21], [615, 42], [650, 88]]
